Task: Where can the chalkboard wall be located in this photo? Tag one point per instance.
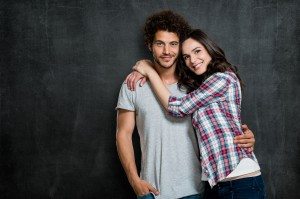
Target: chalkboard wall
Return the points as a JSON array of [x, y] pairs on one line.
[[62, 65]]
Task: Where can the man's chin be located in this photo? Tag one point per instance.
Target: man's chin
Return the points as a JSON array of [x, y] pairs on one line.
[[166, 64]]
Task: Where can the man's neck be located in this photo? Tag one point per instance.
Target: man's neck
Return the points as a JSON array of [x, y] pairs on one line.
[[167, 75]]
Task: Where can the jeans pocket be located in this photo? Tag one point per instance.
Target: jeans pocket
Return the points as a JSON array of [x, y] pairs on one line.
[[146, 196]]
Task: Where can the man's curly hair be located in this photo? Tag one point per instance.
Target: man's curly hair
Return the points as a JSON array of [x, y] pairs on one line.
[[167, 21]]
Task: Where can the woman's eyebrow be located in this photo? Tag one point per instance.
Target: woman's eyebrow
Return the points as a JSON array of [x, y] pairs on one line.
[[196, 48]]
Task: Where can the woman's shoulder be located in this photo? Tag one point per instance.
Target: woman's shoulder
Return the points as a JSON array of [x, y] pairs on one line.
[[224, 75]]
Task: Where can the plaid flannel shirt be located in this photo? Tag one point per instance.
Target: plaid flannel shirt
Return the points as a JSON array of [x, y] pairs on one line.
[[215, 108]]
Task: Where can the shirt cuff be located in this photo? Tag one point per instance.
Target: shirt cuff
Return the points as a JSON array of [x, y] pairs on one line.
[[173, 106]]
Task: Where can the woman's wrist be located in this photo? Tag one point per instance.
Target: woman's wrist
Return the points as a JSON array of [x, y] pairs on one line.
[[151, 73]]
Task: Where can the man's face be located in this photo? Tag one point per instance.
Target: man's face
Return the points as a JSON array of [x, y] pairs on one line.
[[165, 48]]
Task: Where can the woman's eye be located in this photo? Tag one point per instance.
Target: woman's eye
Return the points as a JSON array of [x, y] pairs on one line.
[[197, 51]]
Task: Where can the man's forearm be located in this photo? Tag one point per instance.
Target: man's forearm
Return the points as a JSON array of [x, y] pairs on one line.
[[127, 158]]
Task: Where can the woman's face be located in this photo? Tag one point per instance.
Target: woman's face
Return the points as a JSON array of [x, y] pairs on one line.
[[195, 56]]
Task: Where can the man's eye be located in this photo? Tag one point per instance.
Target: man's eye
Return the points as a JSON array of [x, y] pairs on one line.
[[159, 44], [174, 44]]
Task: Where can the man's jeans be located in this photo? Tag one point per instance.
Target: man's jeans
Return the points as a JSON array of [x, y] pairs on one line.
[[150, 196], [147, 196], [246, 188]]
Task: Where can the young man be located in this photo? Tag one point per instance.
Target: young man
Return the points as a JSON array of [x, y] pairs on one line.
[[170, 167]]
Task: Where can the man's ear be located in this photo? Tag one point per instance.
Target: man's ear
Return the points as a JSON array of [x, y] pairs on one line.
[[149, 47]]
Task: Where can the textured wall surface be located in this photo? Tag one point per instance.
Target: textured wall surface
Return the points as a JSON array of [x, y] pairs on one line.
[[62, 64]]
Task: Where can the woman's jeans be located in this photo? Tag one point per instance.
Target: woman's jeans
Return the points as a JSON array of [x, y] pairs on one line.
[[245, 188]]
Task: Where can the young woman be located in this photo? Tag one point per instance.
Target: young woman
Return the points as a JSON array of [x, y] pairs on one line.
[[214, 101]]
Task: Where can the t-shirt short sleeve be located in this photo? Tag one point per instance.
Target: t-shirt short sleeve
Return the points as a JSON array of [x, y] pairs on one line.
[[126, 99]]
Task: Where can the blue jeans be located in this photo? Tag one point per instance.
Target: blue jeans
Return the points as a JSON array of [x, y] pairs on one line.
[[196, 196], [147, 196], [150, 196], [245, 188]]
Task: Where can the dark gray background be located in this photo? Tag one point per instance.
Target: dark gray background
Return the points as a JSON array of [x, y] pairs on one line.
[[62, 64]]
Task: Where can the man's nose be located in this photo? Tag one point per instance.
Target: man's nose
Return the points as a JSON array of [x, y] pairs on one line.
[[166, 49]]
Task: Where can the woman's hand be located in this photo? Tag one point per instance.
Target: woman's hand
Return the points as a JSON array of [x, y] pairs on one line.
[[144, 67], [135, 76], [132, 79]]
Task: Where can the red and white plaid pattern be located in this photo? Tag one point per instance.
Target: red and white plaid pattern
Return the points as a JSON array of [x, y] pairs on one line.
[[215, 106]]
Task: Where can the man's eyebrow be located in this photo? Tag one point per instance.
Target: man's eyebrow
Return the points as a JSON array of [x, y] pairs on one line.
[[158, 41], [164, 42]]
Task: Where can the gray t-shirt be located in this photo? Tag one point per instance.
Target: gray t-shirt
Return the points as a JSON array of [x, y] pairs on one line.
[[169, 147]]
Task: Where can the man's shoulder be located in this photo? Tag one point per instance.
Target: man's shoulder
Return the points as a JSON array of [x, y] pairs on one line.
[[132, 95], [126, 99], [138, 87]]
